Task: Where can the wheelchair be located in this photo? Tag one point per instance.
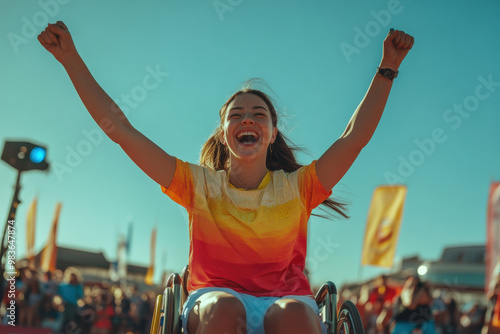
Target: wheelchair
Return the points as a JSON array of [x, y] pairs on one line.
[[168, 307]]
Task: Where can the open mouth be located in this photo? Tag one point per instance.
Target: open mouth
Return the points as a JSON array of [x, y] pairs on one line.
[[247, 137]]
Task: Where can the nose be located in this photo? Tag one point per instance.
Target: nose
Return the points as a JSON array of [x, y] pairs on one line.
[[247, 119]]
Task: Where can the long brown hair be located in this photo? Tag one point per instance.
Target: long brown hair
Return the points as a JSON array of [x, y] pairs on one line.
[[280, 155]]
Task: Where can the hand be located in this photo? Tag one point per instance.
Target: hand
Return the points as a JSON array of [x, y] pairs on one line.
[[397, 44], [57, 40]]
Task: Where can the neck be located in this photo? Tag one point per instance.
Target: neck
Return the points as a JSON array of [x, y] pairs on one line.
[[246, 175]]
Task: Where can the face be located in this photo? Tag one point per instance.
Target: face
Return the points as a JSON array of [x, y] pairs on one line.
[[248, 128]]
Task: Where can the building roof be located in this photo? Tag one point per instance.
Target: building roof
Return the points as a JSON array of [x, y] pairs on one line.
[[464, 254], [459, 266], [70, 257]]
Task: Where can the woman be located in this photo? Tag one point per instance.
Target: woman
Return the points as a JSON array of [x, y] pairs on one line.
[[250, 200]]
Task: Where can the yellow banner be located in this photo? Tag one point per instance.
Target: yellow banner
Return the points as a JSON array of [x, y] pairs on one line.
[[382, 226], [49, 253], [30, 231], [149, 275]]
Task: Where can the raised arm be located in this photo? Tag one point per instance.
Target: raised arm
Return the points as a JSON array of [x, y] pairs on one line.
[[147, 155], [337, 160]]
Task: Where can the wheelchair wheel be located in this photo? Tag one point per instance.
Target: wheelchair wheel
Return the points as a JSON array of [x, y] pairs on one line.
[[168, 311], [171, 307], [176, 307], [155, 323], [349, 321]]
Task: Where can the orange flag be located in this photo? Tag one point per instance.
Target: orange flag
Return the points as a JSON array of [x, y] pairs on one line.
[[49, 253], [382, 226], [493, 238], [149, 275], [30, 231]]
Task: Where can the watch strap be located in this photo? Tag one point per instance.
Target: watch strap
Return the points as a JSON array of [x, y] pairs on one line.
[[387, 73]]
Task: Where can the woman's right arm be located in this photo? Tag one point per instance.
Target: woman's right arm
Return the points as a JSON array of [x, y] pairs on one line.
[[155, 162]]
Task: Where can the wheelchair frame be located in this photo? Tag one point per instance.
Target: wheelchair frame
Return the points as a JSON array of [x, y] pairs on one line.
[[168, 307]]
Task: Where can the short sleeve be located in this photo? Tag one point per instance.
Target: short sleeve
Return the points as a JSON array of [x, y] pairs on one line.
[[181, 189], [311, 190]]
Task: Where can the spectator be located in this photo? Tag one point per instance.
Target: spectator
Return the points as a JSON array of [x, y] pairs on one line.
[[451, 322], [471, 318], [21, 294], [49, 286], [383, 292], [380, 299], [412, 311], [141, 313], [32, 297], [122, 319], [71, 290], [439, 311], [104, 312], [50, 317], [383, 321], [364, 306]]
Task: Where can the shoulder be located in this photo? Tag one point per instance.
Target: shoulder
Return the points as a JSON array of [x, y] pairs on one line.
[[184, 168], [305, 169]]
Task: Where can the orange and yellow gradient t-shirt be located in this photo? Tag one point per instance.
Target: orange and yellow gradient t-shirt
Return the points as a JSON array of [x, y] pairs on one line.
[[253, 241]]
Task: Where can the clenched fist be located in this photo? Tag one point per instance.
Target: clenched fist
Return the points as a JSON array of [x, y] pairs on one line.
[[397, 44], [57, 40]]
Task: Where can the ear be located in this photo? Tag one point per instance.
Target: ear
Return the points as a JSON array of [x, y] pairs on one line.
[[222, 138], [275, 133]]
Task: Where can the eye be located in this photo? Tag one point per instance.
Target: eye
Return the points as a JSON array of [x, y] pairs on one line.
[[260, 114], [235, 115]]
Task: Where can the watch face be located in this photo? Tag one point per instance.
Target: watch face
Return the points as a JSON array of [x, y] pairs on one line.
[[387, 73]]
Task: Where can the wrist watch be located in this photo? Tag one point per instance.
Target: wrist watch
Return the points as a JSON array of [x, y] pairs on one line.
[[388, 73]]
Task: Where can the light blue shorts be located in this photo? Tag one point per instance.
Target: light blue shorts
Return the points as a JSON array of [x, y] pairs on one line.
[[256, 307]]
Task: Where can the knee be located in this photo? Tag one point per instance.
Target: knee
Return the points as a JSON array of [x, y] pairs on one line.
[[215, 312], [291, 314], [225, 307], [289, 310]]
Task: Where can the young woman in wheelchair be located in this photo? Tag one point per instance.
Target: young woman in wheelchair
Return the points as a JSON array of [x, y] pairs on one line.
[[248, 202]]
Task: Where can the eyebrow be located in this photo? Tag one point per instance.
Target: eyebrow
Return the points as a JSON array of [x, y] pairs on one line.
[[253, 108]]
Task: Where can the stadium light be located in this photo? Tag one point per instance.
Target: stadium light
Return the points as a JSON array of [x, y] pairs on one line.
[[25, 156]]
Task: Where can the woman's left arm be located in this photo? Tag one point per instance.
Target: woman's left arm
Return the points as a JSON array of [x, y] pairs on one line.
[[337, 160]]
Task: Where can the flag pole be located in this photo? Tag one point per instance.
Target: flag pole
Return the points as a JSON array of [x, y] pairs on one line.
[[4, 243], [360, 273]]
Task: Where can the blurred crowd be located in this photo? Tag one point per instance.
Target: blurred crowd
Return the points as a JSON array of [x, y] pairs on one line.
[[61, 302], [415, 308]]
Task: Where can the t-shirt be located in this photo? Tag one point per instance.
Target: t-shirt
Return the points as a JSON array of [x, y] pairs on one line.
[[382, 294], [253, 241], [70, 293]]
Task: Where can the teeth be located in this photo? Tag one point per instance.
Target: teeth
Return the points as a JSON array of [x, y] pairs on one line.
[[247, 133]]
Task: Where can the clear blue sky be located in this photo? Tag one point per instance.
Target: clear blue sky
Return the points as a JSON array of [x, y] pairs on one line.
[[318, 63]]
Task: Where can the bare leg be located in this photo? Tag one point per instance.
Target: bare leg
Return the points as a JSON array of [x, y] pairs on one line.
[[216, 313], [289, 316]]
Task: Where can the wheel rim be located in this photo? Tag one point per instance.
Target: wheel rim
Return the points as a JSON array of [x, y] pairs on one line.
[[345, 322], [349, 321]]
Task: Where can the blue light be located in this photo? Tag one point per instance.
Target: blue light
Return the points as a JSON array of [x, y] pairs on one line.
[[37, 155]]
